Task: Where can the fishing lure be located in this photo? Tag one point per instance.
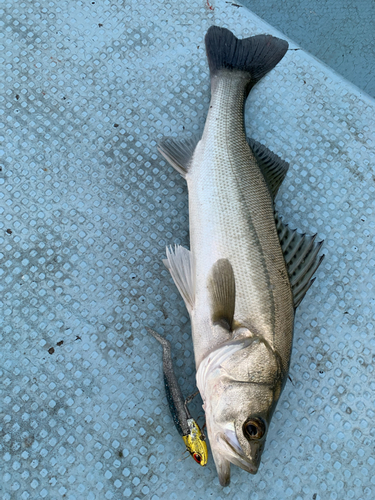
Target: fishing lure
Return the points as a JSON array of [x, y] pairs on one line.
[[187, 427]]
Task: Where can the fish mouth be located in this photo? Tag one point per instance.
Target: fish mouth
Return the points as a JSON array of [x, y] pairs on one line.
[[235, 454]]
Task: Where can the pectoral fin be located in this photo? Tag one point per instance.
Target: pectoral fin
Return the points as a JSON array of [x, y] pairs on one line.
[[222, 291]]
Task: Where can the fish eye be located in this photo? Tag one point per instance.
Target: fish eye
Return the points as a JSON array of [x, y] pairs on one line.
[[254, 428], [197, 458]]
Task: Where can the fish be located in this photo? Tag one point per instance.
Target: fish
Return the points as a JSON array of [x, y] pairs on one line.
[[246, 271], [186, 426]]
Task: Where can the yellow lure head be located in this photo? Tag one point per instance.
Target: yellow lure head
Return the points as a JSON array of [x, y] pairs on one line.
[[195, 443]]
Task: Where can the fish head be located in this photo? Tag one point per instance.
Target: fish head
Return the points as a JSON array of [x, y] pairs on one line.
[[195, 443], [237, 426], [240, 394]]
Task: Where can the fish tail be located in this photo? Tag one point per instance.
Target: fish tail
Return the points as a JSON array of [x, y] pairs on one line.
[[254, 56]]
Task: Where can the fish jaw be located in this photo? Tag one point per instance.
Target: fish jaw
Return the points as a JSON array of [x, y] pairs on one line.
[[225, 450], [222, 466], [236, 395]]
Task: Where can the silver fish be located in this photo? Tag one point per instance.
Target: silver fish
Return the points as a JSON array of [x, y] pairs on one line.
[[246, 271]]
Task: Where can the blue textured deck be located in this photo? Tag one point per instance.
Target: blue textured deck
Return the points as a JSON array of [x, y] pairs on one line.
[[87, 207], [339, 33]]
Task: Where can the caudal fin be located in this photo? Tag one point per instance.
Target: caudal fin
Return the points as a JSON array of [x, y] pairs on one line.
[[255, 55]]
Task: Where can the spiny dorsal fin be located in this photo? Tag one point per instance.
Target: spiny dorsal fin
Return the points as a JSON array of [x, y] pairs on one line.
[[179, 264], [272, 166], [301, 258], [178, 152], [222, 291]]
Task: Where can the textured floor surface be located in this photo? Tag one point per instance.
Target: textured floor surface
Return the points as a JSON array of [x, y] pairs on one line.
[[339, 33], [86, 209]]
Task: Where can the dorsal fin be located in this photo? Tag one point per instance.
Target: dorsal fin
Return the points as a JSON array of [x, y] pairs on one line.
[[272, 166], [301, 258], [178, 152], [222, 290], [179, 264]]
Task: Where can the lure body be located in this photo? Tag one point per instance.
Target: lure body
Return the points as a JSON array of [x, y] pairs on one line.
[[186, 426]]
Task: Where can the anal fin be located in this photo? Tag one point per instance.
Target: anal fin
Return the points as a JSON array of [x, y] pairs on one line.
[[222, 290], [178, 152], [179, 264]]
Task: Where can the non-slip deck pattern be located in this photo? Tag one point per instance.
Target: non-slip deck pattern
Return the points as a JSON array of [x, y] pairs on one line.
[[87, 206]]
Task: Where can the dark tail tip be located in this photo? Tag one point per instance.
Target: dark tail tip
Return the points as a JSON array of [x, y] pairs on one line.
[[255, 55]]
